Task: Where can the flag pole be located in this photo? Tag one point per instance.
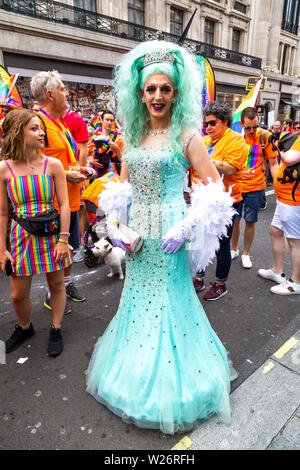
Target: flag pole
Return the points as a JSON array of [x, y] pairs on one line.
[[12, 85], [186, 30]]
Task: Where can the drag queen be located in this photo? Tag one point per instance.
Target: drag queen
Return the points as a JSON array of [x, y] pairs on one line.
[[159, 364]]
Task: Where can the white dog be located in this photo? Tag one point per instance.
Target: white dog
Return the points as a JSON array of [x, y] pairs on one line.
[[113, 256]]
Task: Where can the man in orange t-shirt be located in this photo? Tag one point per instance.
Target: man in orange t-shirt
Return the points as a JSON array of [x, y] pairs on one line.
[[49, 90], [228, 151], [253, 181], [285, 226]]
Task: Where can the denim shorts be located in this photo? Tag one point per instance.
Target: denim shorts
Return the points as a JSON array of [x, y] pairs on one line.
[[74, 239], [251, 203]]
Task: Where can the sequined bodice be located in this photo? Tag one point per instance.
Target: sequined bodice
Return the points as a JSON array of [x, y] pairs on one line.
[[157, 184]]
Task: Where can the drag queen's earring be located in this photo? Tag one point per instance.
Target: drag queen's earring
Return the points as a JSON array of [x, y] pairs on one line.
[[143, 100]]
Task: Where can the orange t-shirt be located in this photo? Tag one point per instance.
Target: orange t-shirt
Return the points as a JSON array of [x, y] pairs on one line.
[[59, 147], [231, 148], [97, 186], [283, 191], [253, 175]]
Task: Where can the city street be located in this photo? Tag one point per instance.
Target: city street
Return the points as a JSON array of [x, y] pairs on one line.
[[43, 402]]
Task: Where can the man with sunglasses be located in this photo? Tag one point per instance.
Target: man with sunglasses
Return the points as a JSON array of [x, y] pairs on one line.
[[296, 128], [287, 125], [228, 151], [253, 181]]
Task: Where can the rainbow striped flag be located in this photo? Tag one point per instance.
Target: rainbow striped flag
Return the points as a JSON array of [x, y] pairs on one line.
[[6, 87], [94, 121], [208, 77], [249, 101]]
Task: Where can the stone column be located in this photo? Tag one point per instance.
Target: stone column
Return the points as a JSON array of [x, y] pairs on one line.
[[297, 61], [1, 58], [274, 35], [260, 28]]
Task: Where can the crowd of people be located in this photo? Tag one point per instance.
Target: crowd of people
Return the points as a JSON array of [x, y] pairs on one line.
[[50, 157]]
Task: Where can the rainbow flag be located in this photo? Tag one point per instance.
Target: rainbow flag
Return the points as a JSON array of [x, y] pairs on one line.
[[208, 80], [208, 77], [94, 122], [249, 101], [9, 95], [6, 87]]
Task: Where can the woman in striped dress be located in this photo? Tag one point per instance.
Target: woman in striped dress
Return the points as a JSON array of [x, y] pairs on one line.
[[31, 182]]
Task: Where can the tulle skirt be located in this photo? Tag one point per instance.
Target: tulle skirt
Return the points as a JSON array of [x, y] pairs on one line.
[[159, 363]]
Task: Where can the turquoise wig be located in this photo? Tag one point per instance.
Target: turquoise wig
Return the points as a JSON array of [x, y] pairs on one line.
[[130, 77]]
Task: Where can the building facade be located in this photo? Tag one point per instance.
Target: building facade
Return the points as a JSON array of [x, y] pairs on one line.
[[84, 40]]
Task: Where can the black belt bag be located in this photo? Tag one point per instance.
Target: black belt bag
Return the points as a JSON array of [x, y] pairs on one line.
[[42, 225]]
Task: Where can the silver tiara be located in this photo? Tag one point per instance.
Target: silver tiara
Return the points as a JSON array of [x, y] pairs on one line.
[[158, 56]]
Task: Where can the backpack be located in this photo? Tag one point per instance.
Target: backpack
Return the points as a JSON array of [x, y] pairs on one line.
[[263, 138]]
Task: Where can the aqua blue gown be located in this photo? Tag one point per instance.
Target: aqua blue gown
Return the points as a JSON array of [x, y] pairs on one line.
[[159, 363]]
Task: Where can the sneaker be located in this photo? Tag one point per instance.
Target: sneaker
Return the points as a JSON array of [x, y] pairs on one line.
[[198, 284], [215, 292], [287, 288], [47, 305], [263, 206], [235, 254], [55, 344], [74, 293], [18, 337], [269, 274], [246, 262], [79, 255]]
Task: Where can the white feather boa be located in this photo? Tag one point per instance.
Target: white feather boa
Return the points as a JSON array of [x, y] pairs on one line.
[[211, 212], [116, 199], [207, 220]]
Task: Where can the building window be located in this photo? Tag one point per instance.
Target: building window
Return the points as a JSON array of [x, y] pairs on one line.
[[136, 12], [176, 21], [240, 7], [232, 99], [290, 17], [236, 40], [86, 4], [26, 6], [84, 18], [209, 32]]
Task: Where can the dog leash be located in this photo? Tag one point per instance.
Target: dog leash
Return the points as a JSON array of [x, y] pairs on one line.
[[88, 231]]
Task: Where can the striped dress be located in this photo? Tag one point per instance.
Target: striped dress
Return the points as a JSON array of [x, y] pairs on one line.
[[32, 195]]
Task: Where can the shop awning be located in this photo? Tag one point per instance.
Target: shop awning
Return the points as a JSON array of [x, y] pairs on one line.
[[293, 104], [65, 76]]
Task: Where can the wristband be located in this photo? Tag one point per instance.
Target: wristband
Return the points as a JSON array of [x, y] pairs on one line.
[[63, 241], [65, 233]]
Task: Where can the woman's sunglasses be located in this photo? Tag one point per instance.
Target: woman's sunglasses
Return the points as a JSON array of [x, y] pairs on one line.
[[211, 123], [296, 128]]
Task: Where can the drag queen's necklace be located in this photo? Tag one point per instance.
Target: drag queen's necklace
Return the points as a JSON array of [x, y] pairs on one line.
[[153, 133]]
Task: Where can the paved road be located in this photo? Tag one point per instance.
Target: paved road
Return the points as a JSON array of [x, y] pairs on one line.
[[43, 403]]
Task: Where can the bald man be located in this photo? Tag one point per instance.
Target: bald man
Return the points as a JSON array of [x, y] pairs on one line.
[[276, 126]]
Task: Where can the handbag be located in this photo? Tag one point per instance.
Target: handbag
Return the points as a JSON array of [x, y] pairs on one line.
[[42, 225], [134, 241]]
